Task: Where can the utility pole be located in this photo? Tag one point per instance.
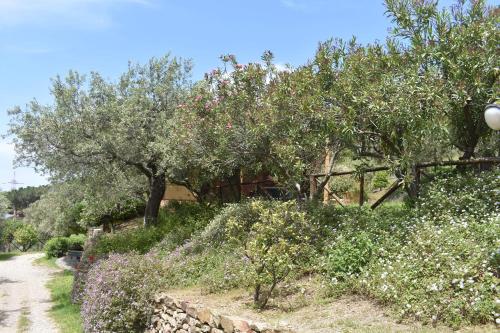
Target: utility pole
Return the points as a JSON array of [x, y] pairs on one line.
[[13, 186]]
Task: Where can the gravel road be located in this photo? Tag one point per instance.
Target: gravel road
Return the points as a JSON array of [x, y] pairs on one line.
[[22, 290]]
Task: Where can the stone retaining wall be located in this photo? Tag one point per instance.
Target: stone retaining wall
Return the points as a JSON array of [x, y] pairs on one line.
[[171, 316]]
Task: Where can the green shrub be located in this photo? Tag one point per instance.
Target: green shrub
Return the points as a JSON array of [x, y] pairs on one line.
[[140, 240], [56, 247], [348, 256], [119, 292], [25, 236], [177, 222], [213, 269], [434, 263], [380, 180], [76, 242], [276, 238]]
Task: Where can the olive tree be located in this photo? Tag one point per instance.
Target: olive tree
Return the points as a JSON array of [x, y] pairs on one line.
[[94, 124]]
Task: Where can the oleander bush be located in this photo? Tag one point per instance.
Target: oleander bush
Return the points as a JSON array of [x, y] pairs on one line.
[[119, 291]]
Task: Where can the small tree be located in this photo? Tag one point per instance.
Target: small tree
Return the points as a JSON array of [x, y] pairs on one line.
[[276, 238], [380, 180], [25, 236]]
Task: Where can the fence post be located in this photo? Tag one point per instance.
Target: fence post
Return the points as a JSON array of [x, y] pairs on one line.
[[361, 189], [313, 187], [417, 181]]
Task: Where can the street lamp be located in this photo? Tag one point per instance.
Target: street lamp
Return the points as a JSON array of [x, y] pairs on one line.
[[492, 116]]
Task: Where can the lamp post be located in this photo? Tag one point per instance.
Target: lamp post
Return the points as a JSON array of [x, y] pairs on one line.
[[492, 116]]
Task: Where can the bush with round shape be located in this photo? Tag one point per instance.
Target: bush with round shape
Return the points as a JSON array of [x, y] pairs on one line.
[[25, 236], [76, 242], [56, 247]]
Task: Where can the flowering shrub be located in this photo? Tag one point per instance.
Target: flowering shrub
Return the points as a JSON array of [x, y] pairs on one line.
[[462, 194], [118, 293], [441, 273], [438, 262]]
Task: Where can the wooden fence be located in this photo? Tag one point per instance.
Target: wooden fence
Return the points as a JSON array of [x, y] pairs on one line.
[[397, 184]]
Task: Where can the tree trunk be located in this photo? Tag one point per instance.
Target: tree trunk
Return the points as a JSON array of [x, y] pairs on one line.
[[157, 186]]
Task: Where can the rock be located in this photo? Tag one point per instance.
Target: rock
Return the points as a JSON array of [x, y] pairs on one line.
[[216, 330], [206, 329], [241, 326], [227, 324], [260, 327], [208, 317], [181, 316], [191, 311], [192, 322]]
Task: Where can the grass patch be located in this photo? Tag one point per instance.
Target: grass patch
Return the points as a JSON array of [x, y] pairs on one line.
[[7, 256], [23, 323], [65, 314], [44, 261]]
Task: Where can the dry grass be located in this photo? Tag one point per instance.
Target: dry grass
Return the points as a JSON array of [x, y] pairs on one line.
[[306, 310]]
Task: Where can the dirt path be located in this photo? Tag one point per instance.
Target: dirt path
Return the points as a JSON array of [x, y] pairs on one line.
[[24, 299]]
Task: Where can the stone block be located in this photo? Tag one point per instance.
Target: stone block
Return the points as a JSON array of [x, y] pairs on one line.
[[208, 317]]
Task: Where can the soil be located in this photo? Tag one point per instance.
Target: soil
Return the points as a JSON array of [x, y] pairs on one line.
[[24, 299], [306, 312]]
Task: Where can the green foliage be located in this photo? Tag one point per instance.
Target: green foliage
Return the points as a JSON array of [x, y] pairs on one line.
[[348, 256], [380, 180], [4, 205], [65, 314], [276, 239], [433, 264], [56, 247], [342, 184], [76, 242], [140, 240], [58, 211], [7, 230], [213, 269], [461, 194], [22, 197], [119, 292], [177, 223], [25, 236], [96, 126], [461, 45]]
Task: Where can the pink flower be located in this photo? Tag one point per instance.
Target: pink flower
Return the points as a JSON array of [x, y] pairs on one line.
[[198, 98], [229, 125], [239, 66]]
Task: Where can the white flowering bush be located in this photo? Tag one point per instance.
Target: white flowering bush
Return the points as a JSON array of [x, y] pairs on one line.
[[119, 291], [438, 262]]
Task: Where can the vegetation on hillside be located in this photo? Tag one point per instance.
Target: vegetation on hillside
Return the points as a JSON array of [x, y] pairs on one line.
[[113, 146]]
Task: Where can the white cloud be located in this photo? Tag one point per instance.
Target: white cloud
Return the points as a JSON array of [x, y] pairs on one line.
[[89, 14]]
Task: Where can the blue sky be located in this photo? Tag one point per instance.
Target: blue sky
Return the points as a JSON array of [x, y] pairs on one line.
[[42, 38]]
